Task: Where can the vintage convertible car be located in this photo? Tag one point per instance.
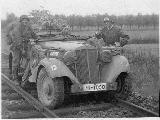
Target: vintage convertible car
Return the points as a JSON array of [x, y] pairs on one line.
[[62, 65]]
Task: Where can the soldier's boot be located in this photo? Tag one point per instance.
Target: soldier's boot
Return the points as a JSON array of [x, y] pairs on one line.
[[26, 85], [15, 76], [25, 82]]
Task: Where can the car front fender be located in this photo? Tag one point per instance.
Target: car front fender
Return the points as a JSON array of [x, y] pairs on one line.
[[56, 68], [110, 71]]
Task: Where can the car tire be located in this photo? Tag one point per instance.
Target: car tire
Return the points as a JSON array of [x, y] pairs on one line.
[[50, 91], [124, 86]]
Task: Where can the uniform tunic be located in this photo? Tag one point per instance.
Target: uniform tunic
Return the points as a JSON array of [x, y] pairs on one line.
[[17, 33], [112, 34]]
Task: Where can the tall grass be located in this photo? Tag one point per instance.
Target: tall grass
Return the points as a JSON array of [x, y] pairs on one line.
[[145, 71], [143, 37], [143, 41]]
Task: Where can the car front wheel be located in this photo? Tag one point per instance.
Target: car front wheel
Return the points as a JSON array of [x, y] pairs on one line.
[[50, 90]]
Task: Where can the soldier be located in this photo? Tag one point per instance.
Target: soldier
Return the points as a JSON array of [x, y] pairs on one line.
[[66, 30], [17, 34], [112, 34]]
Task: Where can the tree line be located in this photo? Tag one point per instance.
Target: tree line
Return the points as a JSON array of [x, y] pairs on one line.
[[94, 20]]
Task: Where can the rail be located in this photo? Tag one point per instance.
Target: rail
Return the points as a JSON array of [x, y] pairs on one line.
[[42, 109], [135, 108]]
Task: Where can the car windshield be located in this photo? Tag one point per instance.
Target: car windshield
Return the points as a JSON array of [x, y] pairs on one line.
[[57, 36]]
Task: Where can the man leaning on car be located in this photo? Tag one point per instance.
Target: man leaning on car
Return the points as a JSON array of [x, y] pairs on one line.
[[17, 33]]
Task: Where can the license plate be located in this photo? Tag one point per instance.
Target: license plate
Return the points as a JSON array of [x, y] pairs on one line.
[[95, 87]]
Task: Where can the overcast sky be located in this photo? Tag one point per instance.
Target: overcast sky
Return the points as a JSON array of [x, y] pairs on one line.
[[81, 7]]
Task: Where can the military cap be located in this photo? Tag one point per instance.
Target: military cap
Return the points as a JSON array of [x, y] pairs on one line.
[[106, 19], [24, 17]]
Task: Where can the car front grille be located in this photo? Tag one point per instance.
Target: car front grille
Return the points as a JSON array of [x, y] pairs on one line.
[[86, 66], [93, 65], [82, 66]]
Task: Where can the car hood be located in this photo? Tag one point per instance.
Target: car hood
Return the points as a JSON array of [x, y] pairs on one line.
[[67, 45]]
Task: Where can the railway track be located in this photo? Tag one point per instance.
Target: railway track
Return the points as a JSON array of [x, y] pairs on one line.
[[34, 109], [139, 110]]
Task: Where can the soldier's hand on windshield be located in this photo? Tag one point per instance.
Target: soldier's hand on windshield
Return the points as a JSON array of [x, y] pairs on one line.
[[123, 42], [126, 37], [98, 35]]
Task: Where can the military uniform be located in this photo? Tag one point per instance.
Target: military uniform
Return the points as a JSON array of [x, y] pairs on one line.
[[111, 35], [18, 35]]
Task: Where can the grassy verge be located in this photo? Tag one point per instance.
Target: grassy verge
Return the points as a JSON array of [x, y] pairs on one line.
[[145, 71], [143, 37], [144, 62], [143, 41]]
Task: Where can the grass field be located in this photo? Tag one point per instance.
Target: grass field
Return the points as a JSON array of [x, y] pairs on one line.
[[144, 61], [148, 49], [149, 34]]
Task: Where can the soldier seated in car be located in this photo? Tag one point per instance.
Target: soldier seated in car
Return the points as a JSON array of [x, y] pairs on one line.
[[111, 34], [17, 34]]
